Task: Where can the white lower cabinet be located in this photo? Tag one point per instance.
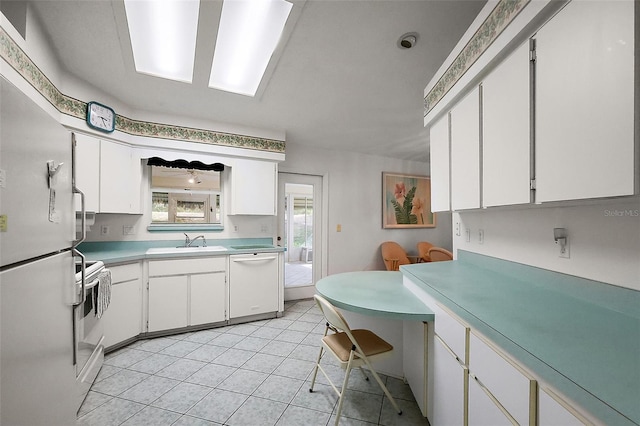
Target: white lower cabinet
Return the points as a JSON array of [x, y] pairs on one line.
[[186, 292], [123, 319], [167, 302], [450, 383], [253, 284], [483, 408], [552, 411], [415, 362], [506, 382], [208, 300]]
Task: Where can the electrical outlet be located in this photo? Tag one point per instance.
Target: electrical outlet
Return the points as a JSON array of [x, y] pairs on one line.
[[235, 228], [104, 230], [128, 230], [458, 229], [468, 233], [264, 229], [564, 250], [481, 236], [338, 228]]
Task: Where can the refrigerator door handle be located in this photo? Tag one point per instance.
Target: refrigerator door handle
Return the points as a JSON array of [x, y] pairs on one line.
[[76, 190], [83, 272]]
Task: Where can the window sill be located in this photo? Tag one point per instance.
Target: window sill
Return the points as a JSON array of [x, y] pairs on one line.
[[175, 227]]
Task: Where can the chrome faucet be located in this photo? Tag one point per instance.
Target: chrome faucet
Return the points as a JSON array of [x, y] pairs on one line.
[[188, 241]]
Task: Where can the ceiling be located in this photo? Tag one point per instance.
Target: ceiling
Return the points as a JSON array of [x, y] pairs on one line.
[[338, 79]]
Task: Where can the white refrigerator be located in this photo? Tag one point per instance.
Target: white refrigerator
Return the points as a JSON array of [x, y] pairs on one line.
[[37, 272]]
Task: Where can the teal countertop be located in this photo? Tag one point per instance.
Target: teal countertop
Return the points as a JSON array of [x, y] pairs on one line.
[[378, 293], [580, 336], [113, 252]]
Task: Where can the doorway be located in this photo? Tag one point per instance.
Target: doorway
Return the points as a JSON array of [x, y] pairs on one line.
[[299, 223]]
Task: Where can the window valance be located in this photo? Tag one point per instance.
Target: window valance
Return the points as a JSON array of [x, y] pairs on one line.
[[184, 164]]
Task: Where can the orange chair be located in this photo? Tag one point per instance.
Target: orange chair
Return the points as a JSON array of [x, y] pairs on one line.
[[438, 254], [423, 251], [393, 255]]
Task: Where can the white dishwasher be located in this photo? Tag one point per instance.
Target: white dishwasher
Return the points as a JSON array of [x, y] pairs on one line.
[[253, 284]]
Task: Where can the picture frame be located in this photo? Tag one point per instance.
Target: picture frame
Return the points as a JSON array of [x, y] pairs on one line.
[[406, 201]]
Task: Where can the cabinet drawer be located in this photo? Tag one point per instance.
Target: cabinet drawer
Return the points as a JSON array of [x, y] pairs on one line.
[[453, 332], [553, 411], [123, 273], [515, 391], [186, 266], [484, 409]]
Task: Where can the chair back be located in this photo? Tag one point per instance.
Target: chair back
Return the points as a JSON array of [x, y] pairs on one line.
[[438, 254], [393, 255], [423, 251], [333, 317]]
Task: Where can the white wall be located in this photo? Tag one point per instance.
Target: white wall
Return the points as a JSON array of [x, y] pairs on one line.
[[355, 202], [604, 238]]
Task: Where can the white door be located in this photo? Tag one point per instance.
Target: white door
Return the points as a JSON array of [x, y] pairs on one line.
[[300, 231]]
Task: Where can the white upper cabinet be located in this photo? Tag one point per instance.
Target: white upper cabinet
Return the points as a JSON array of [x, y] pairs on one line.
[[120, 178], [439, 161], [506, 132], [253, 187], [465, 152], [584, 102], [87, 171]]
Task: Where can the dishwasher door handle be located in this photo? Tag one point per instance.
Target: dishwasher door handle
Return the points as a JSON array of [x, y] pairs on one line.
[[253, 259]]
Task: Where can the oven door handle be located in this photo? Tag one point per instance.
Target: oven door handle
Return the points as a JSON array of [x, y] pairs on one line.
[[92, 284]]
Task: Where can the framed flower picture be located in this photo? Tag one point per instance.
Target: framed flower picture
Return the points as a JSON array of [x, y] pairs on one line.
[[406, 201]]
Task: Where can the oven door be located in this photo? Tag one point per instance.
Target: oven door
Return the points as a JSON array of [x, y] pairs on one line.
[[89, 338]]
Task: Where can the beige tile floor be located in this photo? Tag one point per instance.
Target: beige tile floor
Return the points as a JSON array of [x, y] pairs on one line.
[[254, 374]]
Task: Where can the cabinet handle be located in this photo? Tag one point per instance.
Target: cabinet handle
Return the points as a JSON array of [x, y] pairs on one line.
[[253, 259], [448, 349]]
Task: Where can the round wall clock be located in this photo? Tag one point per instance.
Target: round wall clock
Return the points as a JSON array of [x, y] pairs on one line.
[[101, 117]]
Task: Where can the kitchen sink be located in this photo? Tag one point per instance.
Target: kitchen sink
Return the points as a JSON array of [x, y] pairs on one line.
[[252, 246], [182, 249]]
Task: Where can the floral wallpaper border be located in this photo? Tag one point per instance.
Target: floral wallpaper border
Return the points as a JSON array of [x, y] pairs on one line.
[[19, 61], [499, 18]]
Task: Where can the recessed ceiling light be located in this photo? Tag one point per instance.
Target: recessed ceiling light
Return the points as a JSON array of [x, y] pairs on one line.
[[163, 36], [248, 34]]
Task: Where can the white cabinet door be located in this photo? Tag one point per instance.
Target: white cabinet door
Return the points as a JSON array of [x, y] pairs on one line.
[[450, 387], [502, 378], [483, 411], [551, 412], [465, 152], [439, 162], [506, 154], [168, 307], [253, 187], [584, 102], [87, 170], [120, 178], [415, 362], [123, 319], [208, 300], [253, 284]]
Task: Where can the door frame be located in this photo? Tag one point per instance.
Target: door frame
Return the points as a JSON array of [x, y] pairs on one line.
[[319, 259]]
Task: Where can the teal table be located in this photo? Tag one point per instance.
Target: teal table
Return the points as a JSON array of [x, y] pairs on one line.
[[376, 293]]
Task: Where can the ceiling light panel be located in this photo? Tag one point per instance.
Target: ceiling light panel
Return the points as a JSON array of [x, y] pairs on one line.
[[163, 36], [248, 34]]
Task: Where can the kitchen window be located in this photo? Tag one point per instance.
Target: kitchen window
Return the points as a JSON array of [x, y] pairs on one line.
[[184, 199]]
